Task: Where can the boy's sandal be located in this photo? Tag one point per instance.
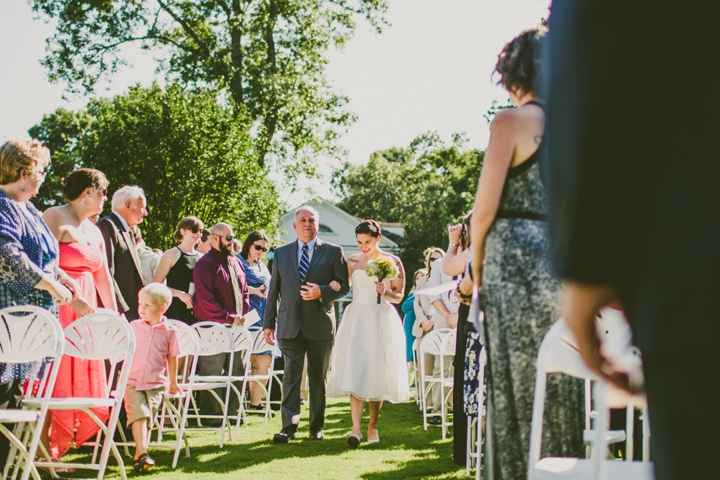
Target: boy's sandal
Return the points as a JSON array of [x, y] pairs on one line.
[[143, 464]]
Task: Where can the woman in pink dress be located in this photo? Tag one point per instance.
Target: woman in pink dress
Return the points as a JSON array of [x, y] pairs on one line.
[[82, 256]]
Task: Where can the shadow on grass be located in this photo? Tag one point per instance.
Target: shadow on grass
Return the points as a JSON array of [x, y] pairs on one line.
[[405, 451]]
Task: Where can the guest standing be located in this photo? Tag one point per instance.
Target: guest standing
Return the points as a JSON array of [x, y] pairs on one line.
[[408, 308], [128, 209], [177, 266], [258, 280], [29, 273], [204, 246], [82, 256], [221, 295], [519, 292]]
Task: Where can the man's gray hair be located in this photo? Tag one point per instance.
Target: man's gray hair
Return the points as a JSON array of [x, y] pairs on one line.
[[125, 194], [307, 208]]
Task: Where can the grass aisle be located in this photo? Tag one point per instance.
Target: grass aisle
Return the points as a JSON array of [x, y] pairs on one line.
[[405, 451]]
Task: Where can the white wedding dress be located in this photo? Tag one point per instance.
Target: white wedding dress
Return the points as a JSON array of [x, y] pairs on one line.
[[368, 359]]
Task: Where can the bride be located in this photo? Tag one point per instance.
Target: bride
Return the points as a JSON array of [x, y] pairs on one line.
[[368, 361]]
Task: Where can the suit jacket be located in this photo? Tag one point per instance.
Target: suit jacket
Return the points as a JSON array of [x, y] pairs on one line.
[[423, 309], [634, 162], [286, 309], [124, 264]]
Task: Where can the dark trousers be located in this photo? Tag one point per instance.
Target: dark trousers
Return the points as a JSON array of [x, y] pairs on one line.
[[459, 417], [10, 397], [295, 351], [218, 365], [684, 417]]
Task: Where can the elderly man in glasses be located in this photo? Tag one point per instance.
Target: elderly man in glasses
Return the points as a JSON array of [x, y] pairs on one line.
[[221, 295]]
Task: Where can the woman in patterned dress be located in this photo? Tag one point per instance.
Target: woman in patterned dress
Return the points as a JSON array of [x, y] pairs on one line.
[[258, 280], [519, 293], [29, 271]]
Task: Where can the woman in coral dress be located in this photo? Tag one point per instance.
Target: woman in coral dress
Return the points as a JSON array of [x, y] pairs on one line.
[[82, 256]]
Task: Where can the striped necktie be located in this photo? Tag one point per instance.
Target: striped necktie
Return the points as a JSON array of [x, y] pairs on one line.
[[304, 263]]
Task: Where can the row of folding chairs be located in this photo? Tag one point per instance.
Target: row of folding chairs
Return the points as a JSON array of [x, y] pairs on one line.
[[29, 334]]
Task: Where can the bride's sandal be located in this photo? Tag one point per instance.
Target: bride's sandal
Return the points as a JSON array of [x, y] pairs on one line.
[[373, 440], [354, 440]]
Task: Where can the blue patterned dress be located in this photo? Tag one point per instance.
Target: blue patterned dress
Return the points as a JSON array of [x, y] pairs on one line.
[[28, 250]]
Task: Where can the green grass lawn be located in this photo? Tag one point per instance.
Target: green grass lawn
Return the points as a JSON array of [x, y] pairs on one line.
[[404, 451]]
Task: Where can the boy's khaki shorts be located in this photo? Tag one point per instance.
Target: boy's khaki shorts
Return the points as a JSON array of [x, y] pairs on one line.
[[142, 404]]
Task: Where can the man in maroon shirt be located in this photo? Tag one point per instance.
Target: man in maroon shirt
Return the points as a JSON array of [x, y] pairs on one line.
[[221, 295]]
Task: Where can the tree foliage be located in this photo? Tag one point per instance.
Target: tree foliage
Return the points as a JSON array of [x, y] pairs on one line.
[[426, 186], [190, 154], [269, 55], [61, 132]]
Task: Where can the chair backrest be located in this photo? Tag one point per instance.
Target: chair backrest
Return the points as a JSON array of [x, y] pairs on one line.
[[214, 337], [29, 333], [242, 340], [188, 339], [103, 335], [259, 344], [558, 353], [437, 342]]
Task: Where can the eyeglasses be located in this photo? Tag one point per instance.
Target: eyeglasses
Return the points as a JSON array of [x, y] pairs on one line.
[[228, 238], [102, 191], [259, 247]]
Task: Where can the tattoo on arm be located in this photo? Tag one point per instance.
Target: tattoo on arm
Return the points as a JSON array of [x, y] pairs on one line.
[[538, 139]]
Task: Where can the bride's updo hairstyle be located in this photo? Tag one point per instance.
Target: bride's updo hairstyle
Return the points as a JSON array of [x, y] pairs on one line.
[[519, 62], [187, 223], [369, 227], [76, 183]]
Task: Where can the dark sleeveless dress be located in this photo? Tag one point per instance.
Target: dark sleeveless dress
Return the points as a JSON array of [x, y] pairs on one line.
[[180, 277], [520, 299]]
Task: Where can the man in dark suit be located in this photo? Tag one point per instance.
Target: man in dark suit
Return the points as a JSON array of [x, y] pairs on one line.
[[129, 208], [634, 156], [300, 304]]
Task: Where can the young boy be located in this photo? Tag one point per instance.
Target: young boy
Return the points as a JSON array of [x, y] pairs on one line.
[[155, 354]]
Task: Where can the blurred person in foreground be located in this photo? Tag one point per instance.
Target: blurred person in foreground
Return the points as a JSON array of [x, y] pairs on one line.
[[511, 262], [634, 155]]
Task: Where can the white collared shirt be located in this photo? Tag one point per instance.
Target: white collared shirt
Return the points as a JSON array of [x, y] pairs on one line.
[[122, 220]]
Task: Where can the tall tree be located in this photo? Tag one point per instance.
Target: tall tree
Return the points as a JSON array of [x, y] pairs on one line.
[[269, 55], [61, 132], [426, 186]]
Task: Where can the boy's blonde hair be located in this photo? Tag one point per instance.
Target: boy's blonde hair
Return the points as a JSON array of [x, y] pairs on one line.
[[158, 292]]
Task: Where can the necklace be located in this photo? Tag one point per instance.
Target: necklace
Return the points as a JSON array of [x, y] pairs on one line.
[[81, 223]]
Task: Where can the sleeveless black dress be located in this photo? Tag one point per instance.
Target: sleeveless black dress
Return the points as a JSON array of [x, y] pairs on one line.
[[520, 298], [180, 277]]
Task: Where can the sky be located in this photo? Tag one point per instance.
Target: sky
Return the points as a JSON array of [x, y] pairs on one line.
[[429, 71]]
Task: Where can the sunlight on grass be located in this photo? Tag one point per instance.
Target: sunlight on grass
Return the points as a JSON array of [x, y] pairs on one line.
[[405, 451]]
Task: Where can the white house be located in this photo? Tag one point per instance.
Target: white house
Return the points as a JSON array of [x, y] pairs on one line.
[[338, 227]]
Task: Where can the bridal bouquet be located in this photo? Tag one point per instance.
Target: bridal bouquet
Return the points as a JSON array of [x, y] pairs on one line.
[[381, 268]]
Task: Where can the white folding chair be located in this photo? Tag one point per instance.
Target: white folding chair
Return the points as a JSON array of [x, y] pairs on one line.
[[475, 442], [29, 334], [216, 338], [558, 353], [260, 345], [175, 407], [103, 335], [441, 344]]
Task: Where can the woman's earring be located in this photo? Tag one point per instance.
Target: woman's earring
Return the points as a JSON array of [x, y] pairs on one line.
[[85, 204]]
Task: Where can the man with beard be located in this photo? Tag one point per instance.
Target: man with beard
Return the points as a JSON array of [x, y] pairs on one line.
[[221, 295]]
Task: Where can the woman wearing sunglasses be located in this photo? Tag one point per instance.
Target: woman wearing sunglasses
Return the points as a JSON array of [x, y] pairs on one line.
[[258, 281], [176, 269]]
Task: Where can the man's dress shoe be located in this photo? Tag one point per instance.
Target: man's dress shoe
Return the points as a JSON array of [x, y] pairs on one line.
[[285, 434], [316, 435]]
